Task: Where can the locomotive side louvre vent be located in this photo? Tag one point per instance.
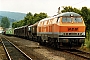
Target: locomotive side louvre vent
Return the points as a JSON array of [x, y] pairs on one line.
[[72, 34]]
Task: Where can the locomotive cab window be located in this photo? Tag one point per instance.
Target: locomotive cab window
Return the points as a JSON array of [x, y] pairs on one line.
[[77, 19], [66, 19]]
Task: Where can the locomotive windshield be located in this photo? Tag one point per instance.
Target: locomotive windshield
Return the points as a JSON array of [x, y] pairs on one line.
[[73, 19], [66, 19], [77, 19]]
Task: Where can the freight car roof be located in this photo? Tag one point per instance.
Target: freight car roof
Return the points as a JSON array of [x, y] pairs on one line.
[[21, 27], [62, 14]]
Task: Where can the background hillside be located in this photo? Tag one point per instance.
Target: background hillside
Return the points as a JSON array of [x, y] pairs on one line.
[[12, 16]]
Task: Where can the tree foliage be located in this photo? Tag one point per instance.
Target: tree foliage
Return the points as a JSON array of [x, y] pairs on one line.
[[86, 16], [70, 9], [29, 19], [5, 23]]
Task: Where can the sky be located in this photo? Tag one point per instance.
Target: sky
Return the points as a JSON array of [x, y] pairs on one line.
[[36, 6]]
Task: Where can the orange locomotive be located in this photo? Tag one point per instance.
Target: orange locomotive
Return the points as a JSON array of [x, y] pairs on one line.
[[65, 29]]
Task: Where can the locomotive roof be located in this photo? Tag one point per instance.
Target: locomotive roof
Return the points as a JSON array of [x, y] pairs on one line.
[[69, 13], [62, 14]]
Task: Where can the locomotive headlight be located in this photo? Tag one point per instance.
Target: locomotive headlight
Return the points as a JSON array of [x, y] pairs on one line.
[[83, 33]]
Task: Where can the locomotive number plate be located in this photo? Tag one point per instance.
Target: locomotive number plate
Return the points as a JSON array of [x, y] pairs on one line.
[[72, 29]]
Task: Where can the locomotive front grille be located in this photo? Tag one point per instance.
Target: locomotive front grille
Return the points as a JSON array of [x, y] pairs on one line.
[[70, 34]]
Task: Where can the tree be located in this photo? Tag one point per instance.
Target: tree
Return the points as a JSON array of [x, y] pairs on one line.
[[67, 9], [5, 23], [13, 25], [38, 17], [70, 9], [29, 19], [85, 12]]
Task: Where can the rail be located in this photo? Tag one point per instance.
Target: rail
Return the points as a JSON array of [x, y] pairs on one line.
[[13, 52]]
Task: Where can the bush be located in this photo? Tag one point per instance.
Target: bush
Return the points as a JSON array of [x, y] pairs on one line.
[[87, 43]]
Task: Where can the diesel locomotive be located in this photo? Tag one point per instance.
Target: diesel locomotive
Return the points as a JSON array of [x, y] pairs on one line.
[[65, 29]]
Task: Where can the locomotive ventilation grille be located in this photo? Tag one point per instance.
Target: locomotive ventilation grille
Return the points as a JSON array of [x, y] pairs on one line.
[[72, 34]]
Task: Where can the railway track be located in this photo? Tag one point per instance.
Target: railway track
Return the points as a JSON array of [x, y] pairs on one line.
[[79, 53], [13, 52]]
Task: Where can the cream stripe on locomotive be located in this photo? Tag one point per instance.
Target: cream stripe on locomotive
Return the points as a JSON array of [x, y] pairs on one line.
[[64, 33], [71, 37]]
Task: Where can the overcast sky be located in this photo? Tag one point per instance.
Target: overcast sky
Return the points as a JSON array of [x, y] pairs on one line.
[[36, 6]]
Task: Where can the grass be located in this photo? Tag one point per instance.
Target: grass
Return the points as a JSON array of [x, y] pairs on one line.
[[86, 46], [87, 43], [87, 40]]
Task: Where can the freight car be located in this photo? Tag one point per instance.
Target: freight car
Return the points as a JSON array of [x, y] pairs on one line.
[[21, 31], [28, 31], [63, 30], [32, 31]]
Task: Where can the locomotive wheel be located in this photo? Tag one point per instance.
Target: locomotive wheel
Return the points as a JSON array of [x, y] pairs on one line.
[[57, 44], [40, 41], [49, 42], [44, 43]]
